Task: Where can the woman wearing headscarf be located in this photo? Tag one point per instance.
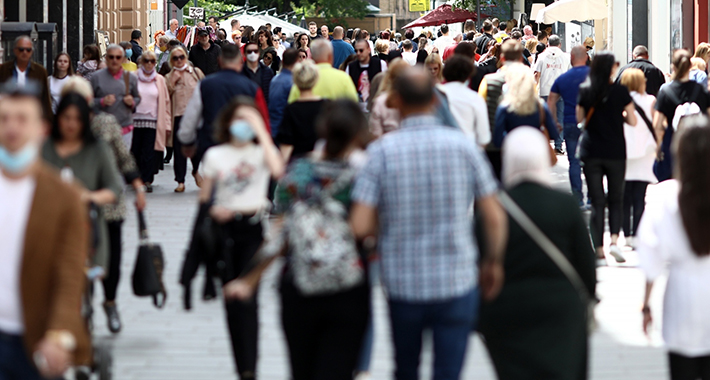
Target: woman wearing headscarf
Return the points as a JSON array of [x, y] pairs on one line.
[[538, 302]]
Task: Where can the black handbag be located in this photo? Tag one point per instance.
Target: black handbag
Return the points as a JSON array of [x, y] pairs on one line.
[[148, 270]]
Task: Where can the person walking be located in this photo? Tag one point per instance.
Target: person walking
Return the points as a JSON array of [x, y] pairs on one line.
[[654, 76], [676, 100], [398, 182], [257, 71], [22, 70], [548, 67], [332, 83], [72, 148], [537, 299], [63, 70], [603, 107], [116, 91], [237, 173], [364, 70], [136, 39], [341, 49], [280, 89], [641, 147], [205, 55], [152, 119], [127, 62], [264, 42], [384, 119], [181, 81], [566, 87], [698, 69], [468, 108], [90, 62], [673, 239], [324, 332], [43, 252], [304, 42], [521, 107], [106, 128]]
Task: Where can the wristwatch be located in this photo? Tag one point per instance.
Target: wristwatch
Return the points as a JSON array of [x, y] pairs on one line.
[[64, 338]]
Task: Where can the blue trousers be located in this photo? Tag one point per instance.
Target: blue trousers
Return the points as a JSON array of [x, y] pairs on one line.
[[14, 363], [560, 118], [450, 322], [571, 133]]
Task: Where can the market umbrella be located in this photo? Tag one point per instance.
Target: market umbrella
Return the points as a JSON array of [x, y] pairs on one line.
[[443, 14], [573, 10]]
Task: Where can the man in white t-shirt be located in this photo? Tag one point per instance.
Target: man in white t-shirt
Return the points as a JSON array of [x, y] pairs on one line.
[[445, 40], [552, 63], [468, 108], [407, 54]]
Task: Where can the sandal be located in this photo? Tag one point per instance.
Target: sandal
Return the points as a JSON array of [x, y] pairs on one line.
[[180, 188]]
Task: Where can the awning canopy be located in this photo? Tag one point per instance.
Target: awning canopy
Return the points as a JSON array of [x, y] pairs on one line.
[[443, 14], [256, 21], [573, 10]]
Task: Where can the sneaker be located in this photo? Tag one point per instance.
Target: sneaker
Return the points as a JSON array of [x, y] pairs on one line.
[[112, 318], [148, 187], [615, 252], [559, 151], [601, 262], [629, 241]]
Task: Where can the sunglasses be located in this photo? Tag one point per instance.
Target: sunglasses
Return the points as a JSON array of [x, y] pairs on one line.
[[178, 58], [589, 48], [26, 50], [150, 61], [303, 56], [114, 57], [252, 51], [360, 50]]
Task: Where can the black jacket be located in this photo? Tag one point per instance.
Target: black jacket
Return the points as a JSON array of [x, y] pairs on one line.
[[206, 60], [262, 77], [374, 68], [137, 51], [654, 76]]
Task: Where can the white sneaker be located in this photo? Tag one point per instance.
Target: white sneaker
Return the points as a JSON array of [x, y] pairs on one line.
[[615, 252], [629, 241]]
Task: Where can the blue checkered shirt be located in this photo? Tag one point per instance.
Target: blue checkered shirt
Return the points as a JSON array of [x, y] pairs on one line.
[[423, 179]]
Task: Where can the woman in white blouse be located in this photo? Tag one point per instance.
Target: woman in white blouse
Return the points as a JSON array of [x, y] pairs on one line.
[[675, 236]]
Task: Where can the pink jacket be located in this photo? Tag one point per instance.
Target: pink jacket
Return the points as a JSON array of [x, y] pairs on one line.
[[165, 121]]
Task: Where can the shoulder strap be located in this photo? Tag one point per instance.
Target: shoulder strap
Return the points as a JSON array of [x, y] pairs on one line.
[[545, 243], [127, 82], [646, 120], [541, 110]]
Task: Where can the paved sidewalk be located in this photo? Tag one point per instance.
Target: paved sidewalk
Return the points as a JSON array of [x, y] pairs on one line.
[[172, 344]]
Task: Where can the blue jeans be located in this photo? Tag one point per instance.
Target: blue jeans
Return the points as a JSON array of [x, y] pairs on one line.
[[14, 363], [560, 118], [571, 133], [450, 322]]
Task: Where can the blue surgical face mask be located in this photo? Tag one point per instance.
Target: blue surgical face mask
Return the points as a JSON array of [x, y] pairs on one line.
[[129, 53], [20, 161], [241, 131]]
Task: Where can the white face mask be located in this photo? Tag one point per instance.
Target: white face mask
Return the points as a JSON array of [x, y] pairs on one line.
[[253, 57]]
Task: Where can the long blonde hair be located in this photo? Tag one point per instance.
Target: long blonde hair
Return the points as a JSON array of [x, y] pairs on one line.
[[521, 96]]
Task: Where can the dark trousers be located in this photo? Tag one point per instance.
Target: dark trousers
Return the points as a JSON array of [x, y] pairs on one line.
[[180, 163], [595, 169], [685, 368], [14, 363], [634, 204], [324, 334], [242, 240], [496, 160], [114, 266], [572, 133], [450, 322], [143, 149]]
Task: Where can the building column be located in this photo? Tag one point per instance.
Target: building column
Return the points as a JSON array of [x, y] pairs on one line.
[[701, 21], [659, 30], [639, 22], [618, 35]]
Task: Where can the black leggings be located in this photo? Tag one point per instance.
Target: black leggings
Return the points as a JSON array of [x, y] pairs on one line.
[[180, 163], [634, 204], [242, 240], [114, 265], [686, 368], [595, 169], [324, 334], [143, 149]]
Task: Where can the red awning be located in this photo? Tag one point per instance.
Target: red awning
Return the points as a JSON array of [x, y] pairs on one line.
[[443, 14]]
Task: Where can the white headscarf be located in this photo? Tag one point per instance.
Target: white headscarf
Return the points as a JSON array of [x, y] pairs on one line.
[[526, 157]]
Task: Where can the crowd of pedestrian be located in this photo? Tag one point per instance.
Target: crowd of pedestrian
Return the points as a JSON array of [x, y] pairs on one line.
[[419, 161]]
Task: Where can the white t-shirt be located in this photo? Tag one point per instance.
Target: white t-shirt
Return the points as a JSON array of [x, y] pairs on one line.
[[641, 168], [55, 90], [551, 63], [443, 42], [409, 57], [664, 247], [470, 111], [15, 205], [21, 76], [241, 176]]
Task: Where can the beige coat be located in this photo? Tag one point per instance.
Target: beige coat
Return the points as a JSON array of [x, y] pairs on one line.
[[165, 121], [181, 87]]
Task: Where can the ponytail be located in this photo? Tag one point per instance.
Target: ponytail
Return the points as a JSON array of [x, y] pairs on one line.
[[681, 64]]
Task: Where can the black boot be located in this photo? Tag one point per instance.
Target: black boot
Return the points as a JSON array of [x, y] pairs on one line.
[[112, 318], [168, 155]]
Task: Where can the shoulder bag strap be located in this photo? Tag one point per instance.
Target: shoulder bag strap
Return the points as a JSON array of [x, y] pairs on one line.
[[546, 244], [646, 120], [127, 82]]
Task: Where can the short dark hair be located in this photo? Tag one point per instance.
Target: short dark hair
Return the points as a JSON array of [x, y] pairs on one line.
[[136, 34], [409, 34], [290, 57], [512, 51], [230, 52], [234, 22], [413, 92], [516, 35], [458, 68], [78, 101], [541, 35], [174, 42], [340, 123], [444, 29], [467, 49], [224, 119], [407, 44], [212, 18], [276, 30], [502, 26], [487, 26]]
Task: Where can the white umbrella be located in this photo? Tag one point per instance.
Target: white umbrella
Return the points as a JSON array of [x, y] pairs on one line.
[[573, 10]]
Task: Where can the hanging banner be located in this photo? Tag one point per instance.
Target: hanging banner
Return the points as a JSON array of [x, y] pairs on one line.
[[419, 5]]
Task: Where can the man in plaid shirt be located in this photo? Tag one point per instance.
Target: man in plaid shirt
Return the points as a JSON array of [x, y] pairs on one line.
[[416, 192]]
